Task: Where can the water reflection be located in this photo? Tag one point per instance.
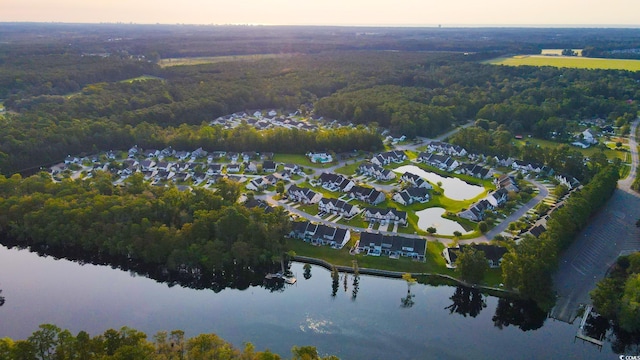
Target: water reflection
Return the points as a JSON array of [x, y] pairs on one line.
[[524, 314], [307, 271], [466, 301]]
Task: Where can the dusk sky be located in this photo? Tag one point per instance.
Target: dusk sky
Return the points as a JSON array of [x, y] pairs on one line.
[[329, 12]]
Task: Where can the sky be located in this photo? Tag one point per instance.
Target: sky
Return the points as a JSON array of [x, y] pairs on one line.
[[329, 12]]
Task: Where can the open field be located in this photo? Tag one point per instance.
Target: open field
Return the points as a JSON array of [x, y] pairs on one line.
[[142, 78], [217, 59], [567, 61], [558, 52], [610, 153]]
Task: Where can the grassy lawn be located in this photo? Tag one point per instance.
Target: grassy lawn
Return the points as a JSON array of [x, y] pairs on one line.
[[567, 62], [434, 261], [349, 169], [357, 221], [311, 209], [294, 159], [610, 153]]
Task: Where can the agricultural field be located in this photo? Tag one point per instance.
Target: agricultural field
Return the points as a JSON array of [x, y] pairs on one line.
[[217, 59], [567, 62]]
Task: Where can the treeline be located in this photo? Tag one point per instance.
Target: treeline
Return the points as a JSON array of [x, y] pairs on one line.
[[616, 297], [426, 99], [50, 342], [528, 266], [190, 237], [495, 140], [31, 141]]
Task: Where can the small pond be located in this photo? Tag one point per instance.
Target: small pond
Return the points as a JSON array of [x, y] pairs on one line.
[[453, 188], [433, 217]]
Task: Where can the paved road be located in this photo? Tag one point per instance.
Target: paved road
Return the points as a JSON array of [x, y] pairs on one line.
[[502, 226], [611, 232]]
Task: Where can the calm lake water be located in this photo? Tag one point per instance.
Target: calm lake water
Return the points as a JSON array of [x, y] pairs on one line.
[[453, 188], [373, 326], [433, 217]]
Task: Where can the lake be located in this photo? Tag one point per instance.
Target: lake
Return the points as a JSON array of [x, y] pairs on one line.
[[433, 217], [374, 325], [453, 188]]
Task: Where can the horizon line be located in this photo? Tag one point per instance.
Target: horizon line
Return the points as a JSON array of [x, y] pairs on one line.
[[432, 26]]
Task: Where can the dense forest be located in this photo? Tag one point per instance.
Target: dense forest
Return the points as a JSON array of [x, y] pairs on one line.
[[200, 238], [70, 93], [51, 342]]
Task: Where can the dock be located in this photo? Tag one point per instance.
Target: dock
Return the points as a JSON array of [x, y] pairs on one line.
[[580, 335]]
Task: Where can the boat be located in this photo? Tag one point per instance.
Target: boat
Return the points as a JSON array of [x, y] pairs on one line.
[[282, 277]]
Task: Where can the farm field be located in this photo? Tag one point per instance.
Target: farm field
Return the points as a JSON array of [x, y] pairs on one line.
[[568, 62], [216, 59]]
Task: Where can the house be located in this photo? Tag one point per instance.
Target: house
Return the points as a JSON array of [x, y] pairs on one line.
[[182, 155], [258, 204], [492, 253], [507, 182], [198, 153], [589, 137], [476, 211], [214, 169], [259, 184], [442, 162], [164, 165], [331, 236], [233, 168], [446, 148], [232, 156], [567, 180], [303, 195], [385, 216], [377, 244], [411, 195], [376, 171], [537, 230], [293, 168], [248, 155], [368, 195], [498, 197], [320, 234], [338, 207], [266, 155], [134, 151], [396, 156], [523, 166], [251, 167], [503, 161], [335, 182], [476, 170], [151, 153], [269, 166], [147, 164], [416, 181], [168, 151]]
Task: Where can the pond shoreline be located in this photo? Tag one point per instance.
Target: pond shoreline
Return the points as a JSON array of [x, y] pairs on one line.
[[398, 275]]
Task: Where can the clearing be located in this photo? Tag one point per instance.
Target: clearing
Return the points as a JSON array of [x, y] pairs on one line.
[[567, 61]]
